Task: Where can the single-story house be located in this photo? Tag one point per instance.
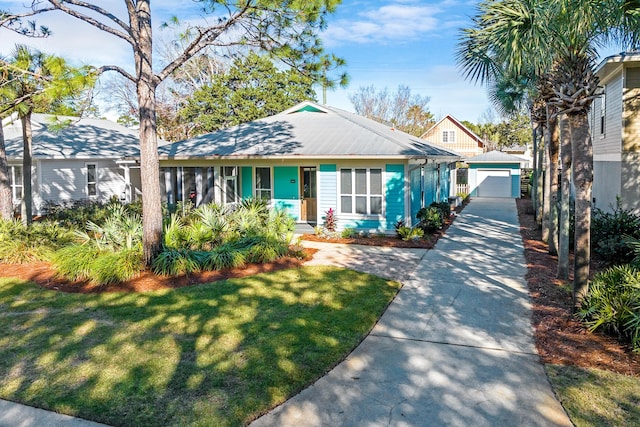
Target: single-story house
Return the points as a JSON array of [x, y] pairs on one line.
[[494, 174], [615, 131], [309, 159], [74, 159]]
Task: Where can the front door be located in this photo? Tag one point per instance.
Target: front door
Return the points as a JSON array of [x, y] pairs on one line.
[[308, 191]]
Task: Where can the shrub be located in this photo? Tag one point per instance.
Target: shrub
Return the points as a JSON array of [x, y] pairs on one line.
[[224, 256], [348, 233], [613, 304], [430, 219], [444, 208], [37, 242], [408, 233], [330, 220], [608, 231], [173, 262], [100, 266]]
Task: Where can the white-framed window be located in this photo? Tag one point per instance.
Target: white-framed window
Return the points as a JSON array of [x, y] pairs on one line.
[[15, 181], [603, 111], [449, 136], [92, 179], [361, 191], [229, 176], [263, 183]]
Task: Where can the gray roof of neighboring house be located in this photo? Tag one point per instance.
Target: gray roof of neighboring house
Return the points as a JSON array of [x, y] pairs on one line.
[[79, 139], [307, 130], [494, 157]]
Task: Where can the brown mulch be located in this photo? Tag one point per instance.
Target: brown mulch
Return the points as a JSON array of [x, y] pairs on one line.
[[44, 275], [560, 338]]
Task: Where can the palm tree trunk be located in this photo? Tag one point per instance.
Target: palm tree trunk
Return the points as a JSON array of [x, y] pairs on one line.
[[26, 206], [540, 177], [565, 200], [554, 147], [6, 199], [534, 177], [546, 200], [582, 153], [149, 161]]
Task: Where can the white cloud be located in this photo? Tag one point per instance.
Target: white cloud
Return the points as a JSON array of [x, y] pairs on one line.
[[388, 23]]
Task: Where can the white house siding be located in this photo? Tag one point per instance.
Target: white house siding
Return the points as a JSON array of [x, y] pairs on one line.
[[66, 180], [327, 180], [606, 184], [607, 146]]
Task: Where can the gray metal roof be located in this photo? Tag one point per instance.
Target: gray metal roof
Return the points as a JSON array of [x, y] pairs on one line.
[[307, 130], [79, 139], [494, 157]]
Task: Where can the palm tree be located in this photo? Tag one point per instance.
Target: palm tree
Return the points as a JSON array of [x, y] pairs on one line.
[[37, 80], [519, 35]]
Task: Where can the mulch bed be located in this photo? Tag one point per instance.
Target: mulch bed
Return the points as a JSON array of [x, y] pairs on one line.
[[560, 338]]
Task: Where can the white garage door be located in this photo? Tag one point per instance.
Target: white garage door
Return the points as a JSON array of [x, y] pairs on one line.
[[494, 183]]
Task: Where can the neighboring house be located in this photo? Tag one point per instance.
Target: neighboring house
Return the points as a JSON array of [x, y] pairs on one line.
[[615, 130], [450, 134], [521, 151], [494, 174], [309, 159], [80, 160]]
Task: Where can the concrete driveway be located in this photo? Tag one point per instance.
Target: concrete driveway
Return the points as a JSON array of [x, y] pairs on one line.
[[455, 347]]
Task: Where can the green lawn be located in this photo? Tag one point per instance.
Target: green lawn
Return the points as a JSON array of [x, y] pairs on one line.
[[593, 397], [217, 354]]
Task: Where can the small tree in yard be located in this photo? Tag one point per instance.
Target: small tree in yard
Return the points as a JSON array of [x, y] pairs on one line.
[[285, 27]]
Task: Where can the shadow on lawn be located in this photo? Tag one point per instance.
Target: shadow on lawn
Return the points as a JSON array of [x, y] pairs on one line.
[[224, 352]]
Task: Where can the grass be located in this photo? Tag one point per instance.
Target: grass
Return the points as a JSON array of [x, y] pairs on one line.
[[218, 354], [593, 397]]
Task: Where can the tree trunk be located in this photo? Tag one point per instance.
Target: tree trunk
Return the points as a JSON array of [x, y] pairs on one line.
[[26, 206], [554, 147], [565, 200], [149, 162], [583, 177], [546, 200], [540, 195], [534, 176], [6, 199]]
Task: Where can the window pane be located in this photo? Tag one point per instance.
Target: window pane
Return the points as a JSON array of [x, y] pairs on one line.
[[345, 181], [361, 181], [361, 204], [376, 205], [230, 190], [263, 194], [376, 181], [229, 171], [18, 170], [92, 189], [346, 204], [263, 178], [91, 173]]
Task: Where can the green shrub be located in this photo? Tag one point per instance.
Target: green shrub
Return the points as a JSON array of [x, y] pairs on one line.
[[173, 262], [444, 208], [430, 219], [613, 304], [224, 256], [608, 231], [37, 242], [408, 233], [348, 233], [100, 266]]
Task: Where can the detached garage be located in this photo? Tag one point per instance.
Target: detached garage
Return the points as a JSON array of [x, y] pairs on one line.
[[494, 174]]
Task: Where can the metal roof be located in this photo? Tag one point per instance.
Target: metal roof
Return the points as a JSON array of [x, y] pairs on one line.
[[494, 157], [307, 130], [78, 139]]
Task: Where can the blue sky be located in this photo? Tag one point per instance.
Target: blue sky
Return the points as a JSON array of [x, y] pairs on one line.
[[385, 43]]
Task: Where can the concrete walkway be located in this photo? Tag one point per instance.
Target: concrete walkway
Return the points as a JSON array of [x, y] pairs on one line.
[[455, 348]]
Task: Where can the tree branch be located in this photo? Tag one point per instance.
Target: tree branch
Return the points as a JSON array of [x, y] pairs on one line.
[[116, 69], [86, 18]]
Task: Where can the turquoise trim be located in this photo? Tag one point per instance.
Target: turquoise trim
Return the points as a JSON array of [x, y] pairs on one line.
[[246, 177], [285, 183], [416, 188], [515, 166], [309, 109], [394, 195]]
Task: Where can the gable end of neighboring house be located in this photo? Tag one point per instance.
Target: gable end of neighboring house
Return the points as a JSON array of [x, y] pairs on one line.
[[450, 134], [615, 130], [79, 162]]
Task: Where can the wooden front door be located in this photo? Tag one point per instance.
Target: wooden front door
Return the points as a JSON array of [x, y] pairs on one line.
[[308, 195]]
